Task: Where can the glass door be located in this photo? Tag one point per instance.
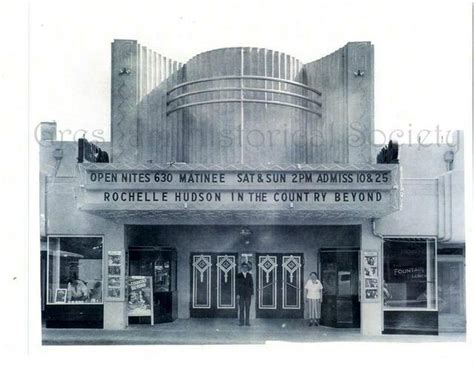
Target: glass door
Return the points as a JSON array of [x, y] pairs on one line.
[[279, 285], [340, 277], [451, 301], [161, 265], [213, 285], [164, 286]]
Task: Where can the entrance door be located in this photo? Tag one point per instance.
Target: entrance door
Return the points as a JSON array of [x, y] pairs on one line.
[[161, 265], [213, 285], [279, 285], [340, 277], [451, 304]]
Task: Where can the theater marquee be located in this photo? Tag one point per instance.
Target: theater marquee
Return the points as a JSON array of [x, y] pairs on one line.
[[373, 189]]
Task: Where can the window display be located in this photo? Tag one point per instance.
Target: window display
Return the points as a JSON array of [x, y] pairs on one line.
[[410, 273], [74, 270]]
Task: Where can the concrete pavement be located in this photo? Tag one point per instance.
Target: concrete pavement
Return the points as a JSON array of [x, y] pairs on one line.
[[225, 331]]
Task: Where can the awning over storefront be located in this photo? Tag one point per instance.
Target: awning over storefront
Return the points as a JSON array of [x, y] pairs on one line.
[[302, 192]]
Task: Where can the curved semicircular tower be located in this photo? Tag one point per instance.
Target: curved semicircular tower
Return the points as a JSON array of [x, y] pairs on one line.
[[240, 105]]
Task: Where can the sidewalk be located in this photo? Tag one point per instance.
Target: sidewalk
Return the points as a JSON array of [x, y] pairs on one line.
[[225, 331]]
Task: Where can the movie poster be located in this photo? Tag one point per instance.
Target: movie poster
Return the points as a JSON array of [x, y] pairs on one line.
[[140, 296]]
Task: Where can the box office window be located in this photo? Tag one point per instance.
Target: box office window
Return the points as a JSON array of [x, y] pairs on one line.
[[74, 270], [410, 274]]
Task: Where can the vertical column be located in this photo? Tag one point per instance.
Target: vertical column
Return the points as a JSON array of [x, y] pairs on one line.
[[125, 98], [360, 101], [184, 286], [242, 118], [430, 273], [328, 75], [115, 306], [346, 80], [371, 314]]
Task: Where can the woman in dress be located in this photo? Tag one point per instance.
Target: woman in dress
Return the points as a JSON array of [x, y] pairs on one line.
[[314, 297]]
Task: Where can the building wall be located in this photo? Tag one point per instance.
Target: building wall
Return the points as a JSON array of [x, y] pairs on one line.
[[455, 211], [58, 164], [432, 203], [243, 132], [63, 218], [59, 214], [346, 81], [432, 194], [140, 78], [412, 155], [149, 124]]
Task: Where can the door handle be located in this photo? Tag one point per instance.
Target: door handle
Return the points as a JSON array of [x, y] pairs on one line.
[[267, 285], [289, 284]]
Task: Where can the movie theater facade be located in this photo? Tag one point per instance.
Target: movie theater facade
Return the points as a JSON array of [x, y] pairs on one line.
[[248, 155]]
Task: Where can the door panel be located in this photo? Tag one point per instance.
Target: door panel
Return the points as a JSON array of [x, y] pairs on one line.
[[451, 303], [279, 286], [201, 265], [226, 265], [161, 265], [340, 277], [164, 286], [213, 285], [292, 280], [267, 282]]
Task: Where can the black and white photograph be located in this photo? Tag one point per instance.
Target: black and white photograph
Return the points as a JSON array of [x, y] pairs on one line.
[[264, 174], [370, 261], [114, 270], [217, 157], [114, 281], [113, 292], [114, 259], [61, 295], [371, 283], [370, 271], [371, 294]]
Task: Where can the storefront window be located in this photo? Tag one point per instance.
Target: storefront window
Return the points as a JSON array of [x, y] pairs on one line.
[[409, 273], [74, 270]]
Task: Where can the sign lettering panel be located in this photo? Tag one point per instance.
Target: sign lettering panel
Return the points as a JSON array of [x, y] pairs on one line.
[[113, 187]]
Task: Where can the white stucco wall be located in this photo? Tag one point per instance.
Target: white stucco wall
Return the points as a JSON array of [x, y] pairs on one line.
[[432, 193]]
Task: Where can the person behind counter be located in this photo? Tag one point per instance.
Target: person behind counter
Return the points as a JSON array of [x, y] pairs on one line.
[[77, 290], [96, 292]]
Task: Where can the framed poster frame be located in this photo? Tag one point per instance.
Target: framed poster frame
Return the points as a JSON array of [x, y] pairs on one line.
[[370, 283], [114, 276]]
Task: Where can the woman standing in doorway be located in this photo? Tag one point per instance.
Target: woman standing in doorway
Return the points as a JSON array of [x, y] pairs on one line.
[[314, 297]]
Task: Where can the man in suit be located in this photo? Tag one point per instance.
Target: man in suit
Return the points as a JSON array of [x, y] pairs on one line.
[[244, 293]]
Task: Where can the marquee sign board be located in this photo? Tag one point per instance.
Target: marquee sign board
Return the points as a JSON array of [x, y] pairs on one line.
[[374, 189]]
